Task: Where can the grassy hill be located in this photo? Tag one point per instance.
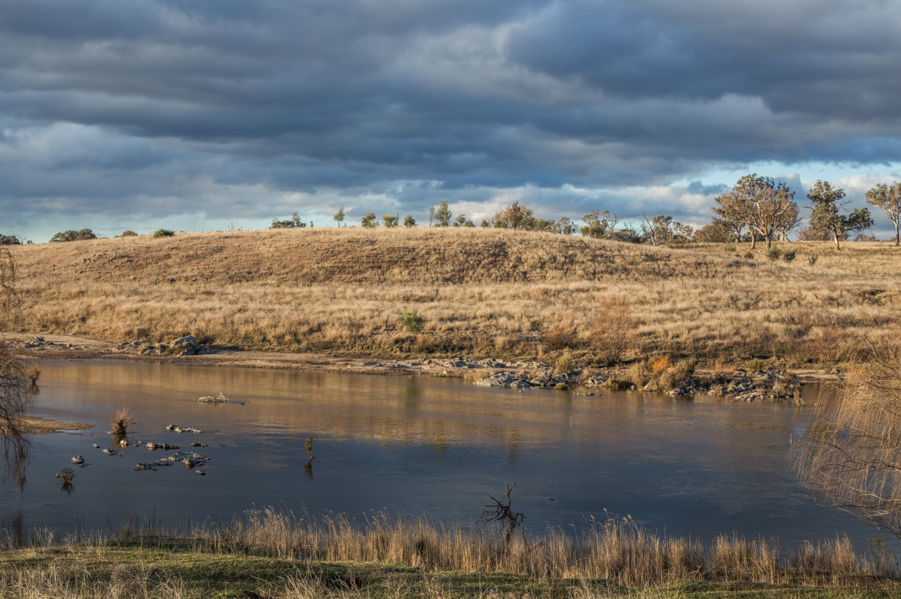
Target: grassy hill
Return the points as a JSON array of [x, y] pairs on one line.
[[481, 292]]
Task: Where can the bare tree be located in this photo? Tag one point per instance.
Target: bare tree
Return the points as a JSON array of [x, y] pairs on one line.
[[888, 199], [852, 455], [498, 511], [14, 385]]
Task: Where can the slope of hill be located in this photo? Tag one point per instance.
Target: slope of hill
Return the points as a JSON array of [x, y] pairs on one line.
[[480, 292]]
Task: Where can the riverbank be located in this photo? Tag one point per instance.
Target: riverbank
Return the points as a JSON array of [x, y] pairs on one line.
[[507, 295], [274, 555], [737, 384]]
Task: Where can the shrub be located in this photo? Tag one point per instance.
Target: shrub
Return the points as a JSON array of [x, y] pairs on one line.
[[129, 233], [789, 255], [71, 235], [749, 256], [773, 253], [369, 221], [409, 221], [566, 363], [640, 374], [560, 336], [755, 365], [661, 364], [9, 240], [410, 321], [561, 387], [163, 233], [390, 221], [613, 331]]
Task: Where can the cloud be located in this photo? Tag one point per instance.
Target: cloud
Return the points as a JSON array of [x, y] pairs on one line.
[[166, 107]]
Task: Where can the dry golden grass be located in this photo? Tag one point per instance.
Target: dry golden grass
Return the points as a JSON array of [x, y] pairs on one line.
[[480, 292]]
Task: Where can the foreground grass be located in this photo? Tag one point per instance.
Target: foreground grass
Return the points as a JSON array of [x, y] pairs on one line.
[[173, 569], [480, 292], [273, 554]]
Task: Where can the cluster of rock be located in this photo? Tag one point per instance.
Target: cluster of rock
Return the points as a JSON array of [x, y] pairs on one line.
[[543, 378], [213, 399], [188, 458], [39, 344], [184, 346], [164, 446], [772, 385], [183, 429]]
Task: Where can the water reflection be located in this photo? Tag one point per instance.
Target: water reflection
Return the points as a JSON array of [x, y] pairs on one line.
[[308, 469]]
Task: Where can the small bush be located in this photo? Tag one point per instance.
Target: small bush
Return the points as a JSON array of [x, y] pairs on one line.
[[729, 249], [369, 221], [789, 255], [411, 321], [749, 256], [561, 387], [566, 363], [33, 375], [773, 254], [755, 365], [409, 221], [129, 233], [661, 364], [812, 259], [613, 331], [640, 374], [560, 336], [9, 240], [163, 233]]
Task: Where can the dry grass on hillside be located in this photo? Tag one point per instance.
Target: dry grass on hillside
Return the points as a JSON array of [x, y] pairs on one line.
[[481, 292]]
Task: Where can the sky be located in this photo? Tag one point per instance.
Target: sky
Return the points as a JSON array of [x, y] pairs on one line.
[[217, 114]]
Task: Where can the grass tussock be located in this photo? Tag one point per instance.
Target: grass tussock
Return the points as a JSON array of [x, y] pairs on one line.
[[477, 292], [121, 419]]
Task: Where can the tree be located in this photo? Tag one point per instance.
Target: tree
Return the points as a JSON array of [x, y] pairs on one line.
[[431, 214], [566, 226], [852, 455], [443, 215], [732, 212], [390, 221], [9, 240], [513, 217], [409, 221], [71, 235], [826, 215], [460, 221], [596, 227], [369, 221], [888, 199], [715, 232], [768, 206], [339, 216]]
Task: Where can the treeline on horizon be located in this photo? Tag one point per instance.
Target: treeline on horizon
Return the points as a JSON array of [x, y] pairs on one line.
[[756, 209]]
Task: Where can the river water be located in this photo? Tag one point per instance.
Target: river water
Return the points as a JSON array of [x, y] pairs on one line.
[[416, 446]]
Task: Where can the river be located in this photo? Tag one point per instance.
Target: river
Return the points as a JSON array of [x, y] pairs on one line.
[[416, 446]]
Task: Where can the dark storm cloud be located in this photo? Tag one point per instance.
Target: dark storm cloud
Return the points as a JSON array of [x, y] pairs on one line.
[[247, 108]]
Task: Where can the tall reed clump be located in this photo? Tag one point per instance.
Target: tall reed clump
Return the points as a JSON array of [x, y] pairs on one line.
[[617, 550], [852, 454]]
